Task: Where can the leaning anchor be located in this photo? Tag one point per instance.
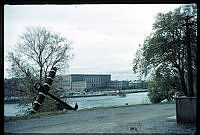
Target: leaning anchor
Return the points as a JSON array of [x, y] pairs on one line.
[[43, 91]]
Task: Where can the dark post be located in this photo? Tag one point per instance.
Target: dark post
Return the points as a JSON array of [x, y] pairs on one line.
[[43, 90], [190, 92]]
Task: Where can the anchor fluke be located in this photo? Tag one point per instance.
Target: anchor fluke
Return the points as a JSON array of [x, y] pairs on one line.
[[76, 107]]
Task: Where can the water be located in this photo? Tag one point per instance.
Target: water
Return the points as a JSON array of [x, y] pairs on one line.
[[12, 110], [90, 102]]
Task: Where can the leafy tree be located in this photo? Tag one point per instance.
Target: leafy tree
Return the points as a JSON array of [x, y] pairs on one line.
[[163, 85], [165, 48], [37, 51]]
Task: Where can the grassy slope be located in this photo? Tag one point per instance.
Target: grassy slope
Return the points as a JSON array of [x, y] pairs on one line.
[[46, 114]]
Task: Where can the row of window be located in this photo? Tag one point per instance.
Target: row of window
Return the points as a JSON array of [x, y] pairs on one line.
[[95, 79]]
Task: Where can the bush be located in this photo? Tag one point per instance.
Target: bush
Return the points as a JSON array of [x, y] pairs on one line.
[[163, 86], [155, 94]]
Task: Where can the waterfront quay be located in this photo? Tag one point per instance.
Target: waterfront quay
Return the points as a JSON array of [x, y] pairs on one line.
[[104, 93], [12, 100]]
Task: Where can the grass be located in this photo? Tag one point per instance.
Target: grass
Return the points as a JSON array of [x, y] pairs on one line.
[[32, 116], [120, 106], [46, 114]]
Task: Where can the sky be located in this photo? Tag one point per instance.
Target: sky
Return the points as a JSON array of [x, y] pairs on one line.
[[104, 38]]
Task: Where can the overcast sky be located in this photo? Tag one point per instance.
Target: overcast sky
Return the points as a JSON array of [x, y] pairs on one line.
[[105, 37]]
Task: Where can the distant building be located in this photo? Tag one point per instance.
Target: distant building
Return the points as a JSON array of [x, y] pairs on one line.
[[10, 87], [121, 85], [140, 85], [79, 82]]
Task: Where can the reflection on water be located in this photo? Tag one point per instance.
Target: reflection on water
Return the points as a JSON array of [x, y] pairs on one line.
[[89, 102]]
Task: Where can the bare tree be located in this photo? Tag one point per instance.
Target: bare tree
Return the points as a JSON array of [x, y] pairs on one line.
[[37, 51]]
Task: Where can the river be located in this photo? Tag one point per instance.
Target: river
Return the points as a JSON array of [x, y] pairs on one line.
[[90, 102]]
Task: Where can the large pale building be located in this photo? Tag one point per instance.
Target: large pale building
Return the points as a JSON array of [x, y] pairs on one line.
[[120, 85], [79, 82]]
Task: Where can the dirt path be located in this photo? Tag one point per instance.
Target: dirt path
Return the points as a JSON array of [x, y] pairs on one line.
[[144, 119]]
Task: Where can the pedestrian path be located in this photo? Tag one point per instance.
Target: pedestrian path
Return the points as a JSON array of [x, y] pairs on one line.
[[155, 118]]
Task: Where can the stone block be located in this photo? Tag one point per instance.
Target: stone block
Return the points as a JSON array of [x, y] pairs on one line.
[[186, 110]]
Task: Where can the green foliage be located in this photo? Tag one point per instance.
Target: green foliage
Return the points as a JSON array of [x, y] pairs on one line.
[[163, 85], [163, 55], [48, 105]]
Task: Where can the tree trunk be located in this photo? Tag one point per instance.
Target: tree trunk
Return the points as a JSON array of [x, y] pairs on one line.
[[181, 74], [183, 85], [182, 80], [40, 74]]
